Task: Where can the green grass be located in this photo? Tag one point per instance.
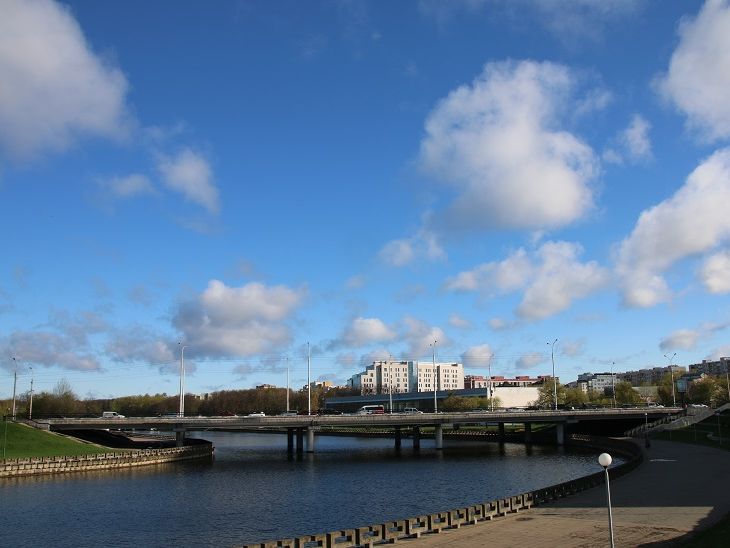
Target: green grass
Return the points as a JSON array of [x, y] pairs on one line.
[[24, 441], [697, 433]]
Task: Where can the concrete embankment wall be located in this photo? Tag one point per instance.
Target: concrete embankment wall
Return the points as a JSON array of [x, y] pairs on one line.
[[391, 531], [102, 461]]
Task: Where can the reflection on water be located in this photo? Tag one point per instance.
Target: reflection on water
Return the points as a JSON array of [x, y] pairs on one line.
[[253, 491]]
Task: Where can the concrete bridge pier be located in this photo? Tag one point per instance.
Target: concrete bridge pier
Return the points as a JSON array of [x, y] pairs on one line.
[[310, 439], [438, 436], [397, 438], [528, 432], [416, 437], [500, 429], [179, 436], [300, 441], [290, 441], [560, 433]]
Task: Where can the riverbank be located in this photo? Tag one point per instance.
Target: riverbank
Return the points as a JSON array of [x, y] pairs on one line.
[[678, 490]]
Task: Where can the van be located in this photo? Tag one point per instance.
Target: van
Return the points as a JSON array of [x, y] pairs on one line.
[[111, 415], [371, 410], [412, 411]]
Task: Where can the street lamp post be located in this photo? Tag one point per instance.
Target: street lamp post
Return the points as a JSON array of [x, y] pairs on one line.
[[604, 459], [646, 430], [613, 384], [489, 383], [309, 380], [287, 384], [181, 411], [30, 407], [671, 372], [555, 381], [15, 382], [433, 357]]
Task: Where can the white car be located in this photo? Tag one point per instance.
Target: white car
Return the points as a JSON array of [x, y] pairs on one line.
[[257, 414]]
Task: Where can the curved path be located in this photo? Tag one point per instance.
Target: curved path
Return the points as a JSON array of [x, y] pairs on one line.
[[677, 489]]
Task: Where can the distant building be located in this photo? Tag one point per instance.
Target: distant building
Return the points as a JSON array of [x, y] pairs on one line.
[[319, 384], [708, 367], [265, 386], [651, 377], [600, 382], [478, 381], [398, 377]]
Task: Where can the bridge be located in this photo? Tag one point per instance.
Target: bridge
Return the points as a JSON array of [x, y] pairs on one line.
[[618, 420]]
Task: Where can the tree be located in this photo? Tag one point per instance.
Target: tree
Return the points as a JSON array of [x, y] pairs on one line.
[[625, 394], [546, 397]]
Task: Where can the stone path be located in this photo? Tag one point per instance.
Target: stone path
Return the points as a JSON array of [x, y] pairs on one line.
[[677, 489]]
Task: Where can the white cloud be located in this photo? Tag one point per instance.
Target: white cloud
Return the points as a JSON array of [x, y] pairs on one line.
[[498, 324], [573, 348], [458, 321], [54, 88], [138, 344], [530, 360], [682, 339], [494, 277], [552, 279], [715, 273], [692, 222], [424, 244], [698, 78], [128, 186], [477, 356], [190, 174], [237, 321], [363, 331], [720, 352], [560, 279], [499, 145], [49, 349], [420, 336], [635, 138]]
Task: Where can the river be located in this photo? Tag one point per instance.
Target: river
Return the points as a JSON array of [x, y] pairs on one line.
[[253, 491]]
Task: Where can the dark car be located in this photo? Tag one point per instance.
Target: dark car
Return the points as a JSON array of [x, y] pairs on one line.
[[328, 411]]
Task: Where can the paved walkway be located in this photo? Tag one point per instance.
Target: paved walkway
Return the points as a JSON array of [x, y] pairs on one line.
[[679, 488]]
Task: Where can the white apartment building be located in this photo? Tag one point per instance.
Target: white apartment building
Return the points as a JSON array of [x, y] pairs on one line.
[[386, 376], [600, 382]]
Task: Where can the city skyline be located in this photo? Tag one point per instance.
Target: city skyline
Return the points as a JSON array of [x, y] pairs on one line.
[[357, 181]]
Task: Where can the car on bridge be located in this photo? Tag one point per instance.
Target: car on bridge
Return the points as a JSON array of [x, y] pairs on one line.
[[257, 414]]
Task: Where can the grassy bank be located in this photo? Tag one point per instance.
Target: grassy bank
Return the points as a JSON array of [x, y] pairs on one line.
[[24, 441]]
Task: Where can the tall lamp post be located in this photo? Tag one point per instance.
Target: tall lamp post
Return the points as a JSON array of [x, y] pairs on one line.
[[15, 382], [433, 357], [489, 383], [613, 384], [671, 372], [309, 380], [604, 459], [555, 381], [30, 407], [287, 384], [181, 411]]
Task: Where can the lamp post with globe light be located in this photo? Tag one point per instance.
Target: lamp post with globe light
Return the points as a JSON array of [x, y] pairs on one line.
[[604, 459]]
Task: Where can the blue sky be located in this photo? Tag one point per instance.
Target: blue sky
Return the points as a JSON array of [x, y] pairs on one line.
[[366, 177]]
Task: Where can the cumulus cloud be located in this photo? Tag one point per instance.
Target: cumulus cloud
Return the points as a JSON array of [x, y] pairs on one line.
[[636, 138], [237, 321], [498, 144], [720, 352], [459, 322], [715, 273], [363, 331], [692, 222], [687, 339], [138, 344], [477, 356], [423, 245], [420, 336], [682, 339], [189, 173], [698, 77], [49, 349], [552, 278], [494, 277], [560, 279], [54, 88], [530, 360], [128, 186], [573, 348]]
